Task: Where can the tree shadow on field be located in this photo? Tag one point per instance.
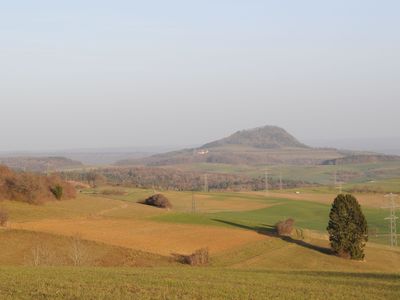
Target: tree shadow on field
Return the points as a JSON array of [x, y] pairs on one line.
[[270, 230], [265, 229], [304, 244]]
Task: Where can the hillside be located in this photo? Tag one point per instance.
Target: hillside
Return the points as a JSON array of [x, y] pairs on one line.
[[268, 145], [39, 164], [267, 137]]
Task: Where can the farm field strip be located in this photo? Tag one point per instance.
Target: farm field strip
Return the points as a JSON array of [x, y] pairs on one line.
[[155, 237], [193, 283]]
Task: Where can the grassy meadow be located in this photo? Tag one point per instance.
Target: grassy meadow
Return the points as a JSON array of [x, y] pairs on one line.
[[129, 249]]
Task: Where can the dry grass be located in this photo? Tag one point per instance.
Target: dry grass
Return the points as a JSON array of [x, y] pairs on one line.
[[310, 254], [82, 206], [155, 237], [20, 247]]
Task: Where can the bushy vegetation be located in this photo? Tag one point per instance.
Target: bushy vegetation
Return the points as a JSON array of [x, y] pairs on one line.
[[3, 216], [198, 258], [285, 227], [32, 188], [158, 200], [366, 189], [57, 191], [347, 227]]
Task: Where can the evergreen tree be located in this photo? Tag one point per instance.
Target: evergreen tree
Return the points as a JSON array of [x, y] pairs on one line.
[[57, 191], [347, 227]]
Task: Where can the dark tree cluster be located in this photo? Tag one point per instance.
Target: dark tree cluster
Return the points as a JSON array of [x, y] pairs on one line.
[[158, 200]]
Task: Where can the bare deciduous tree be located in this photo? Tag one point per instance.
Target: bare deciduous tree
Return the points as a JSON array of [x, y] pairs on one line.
[[41, 255], [78, 252]]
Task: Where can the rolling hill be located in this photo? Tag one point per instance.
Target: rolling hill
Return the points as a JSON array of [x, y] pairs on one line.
[[268, 145], [40, 164]]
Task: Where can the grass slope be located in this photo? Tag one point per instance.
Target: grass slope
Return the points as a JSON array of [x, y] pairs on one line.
[[193, 283], [17, 248], [308, 215]]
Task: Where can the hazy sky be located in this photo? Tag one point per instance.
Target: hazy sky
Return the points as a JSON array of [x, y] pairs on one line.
[[77, 74]]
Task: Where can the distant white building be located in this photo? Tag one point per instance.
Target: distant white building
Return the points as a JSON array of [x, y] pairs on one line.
[[202, 152]]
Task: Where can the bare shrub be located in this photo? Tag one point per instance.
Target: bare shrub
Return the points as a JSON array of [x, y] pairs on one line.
[[41, 255], [78, 252], [33, 188], [198, 258], [285, 227], [158, 200], [3, 217]]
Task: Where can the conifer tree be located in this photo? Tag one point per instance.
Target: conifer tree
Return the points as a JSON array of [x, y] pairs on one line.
[[347, 227]]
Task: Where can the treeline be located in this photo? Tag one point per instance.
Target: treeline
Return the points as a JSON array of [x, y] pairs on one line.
[[33, 188], [173, 179]]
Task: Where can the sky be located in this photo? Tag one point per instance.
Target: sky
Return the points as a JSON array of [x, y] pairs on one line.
[[86, 74]]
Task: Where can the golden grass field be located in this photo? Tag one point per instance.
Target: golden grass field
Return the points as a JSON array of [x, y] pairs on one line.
[[121, 222], [124, 224], [118, 232], [154, 237]]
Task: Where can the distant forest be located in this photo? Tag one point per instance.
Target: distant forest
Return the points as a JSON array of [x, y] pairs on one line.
[[173, 179]]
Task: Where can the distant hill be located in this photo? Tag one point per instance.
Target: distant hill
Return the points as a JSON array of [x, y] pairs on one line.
[[40, 164], [268, 145], [267, 137]]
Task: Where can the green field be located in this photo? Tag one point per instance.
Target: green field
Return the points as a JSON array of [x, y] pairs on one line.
[[307, 214], [319, 174], [193, 283]]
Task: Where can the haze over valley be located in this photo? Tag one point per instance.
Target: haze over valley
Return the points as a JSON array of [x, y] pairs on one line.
[[199, 149]]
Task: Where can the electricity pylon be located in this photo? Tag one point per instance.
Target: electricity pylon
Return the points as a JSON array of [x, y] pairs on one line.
[[392, 218]]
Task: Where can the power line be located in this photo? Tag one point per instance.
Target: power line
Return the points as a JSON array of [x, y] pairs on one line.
[[392, 218]]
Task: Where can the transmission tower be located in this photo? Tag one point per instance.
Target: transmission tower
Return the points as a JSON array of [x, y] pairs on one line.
[[339, 186], [280, 181], [335, 179], [205, 183], [392, 218], [266, 183], [193, 203]]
